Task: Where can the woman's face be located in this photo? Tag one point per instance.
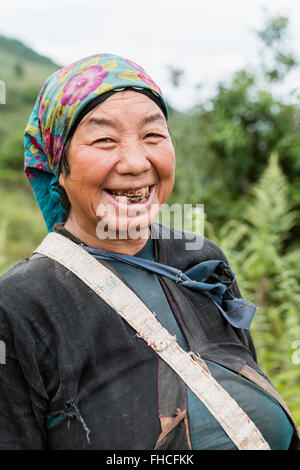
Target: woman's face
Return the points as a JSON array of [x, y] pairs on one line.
[[122, 165]]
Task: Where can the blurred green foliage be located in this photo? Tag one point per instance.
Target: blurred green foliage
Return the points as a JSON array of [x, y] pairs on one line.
[[23, 72], [21, 223], [269, 276], [238, 154]]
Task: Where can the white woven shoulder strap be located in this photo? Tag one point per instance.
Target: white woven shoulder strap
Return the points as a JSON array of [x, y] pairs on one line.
[[190, 367]]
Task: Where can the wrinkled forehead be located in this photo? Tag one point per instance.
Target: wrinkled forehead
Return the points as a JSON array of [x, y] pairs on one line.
[[121, 105]]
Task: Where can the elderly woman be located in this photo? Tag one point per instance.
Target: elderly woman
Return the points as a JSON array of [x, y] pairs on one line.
[[117, 336]]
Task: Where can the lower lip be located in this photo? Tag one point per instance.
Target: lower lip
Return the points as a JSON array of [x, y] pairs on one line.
[[139, 205]]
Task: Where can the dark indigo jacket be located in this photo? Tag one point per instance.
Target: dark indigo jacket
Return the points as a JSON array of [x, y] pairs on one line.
[[77, 376]]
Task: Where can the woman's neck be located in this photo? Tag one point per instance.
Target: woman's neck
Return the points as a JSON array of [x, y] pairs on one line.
[[126, 246]]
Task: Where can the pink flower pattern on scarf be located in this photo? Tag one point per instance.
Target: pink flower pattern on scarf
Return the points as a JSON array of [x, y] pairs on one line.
[[81, 84]]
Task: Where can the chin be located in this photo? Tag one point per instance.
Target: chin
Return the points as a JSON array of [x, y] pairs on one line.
[[130, 222], [127, 228]]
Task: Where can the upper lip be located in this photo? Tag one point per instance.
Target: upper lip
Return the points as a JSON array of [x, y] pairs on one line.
[[130, 188]]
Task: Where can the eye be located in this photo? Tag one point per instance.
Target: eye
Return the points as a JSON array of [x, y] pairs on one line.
[[152, 135], [105, 139]]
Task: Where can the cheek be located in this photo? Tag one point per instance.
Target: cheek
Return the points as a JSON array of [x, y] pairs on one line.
[[165, 163], [90, 166]]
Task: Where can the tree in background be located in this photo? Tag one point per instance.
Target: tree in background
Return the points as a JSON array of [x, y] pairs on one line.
[[223, 146], [269, 276]]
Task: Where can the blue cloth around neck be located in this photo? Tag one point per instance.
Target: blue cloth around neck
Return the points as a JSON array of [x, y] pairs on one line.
[[238, 312]]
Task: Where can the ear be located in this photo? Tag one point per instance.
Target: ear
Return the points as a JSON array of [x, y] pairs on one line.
[[62, 179]]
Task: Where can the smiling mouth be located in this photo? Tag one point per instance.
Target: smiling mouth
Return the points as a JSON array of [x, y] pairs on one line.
[[131, 196]]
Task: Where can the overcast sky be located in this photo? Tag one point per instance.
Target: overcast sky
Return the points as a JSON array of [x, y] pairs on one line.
[[209, 39]]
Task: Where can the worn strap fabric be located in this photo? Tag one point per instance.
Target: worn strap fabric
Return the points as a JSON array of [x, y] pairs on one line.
[[189, 366]]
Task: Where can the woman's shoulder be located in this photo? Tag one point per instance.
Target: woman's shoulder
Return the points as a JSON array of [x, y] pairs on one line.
[[186, 244], [31, 290], [25, 269], [26, 278]]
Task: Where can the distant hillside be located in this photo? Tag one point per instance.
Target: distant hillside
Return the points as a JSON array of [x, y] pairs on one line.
[[24, 71], [18, 49]]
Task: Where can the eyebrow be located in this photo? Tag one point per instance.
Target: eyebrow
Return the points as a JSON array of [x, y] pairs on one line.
[[153, 118], [111, 123]]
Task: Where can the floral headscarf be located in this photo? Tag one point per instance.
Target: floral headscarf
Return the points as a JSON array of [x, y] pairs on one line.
[[61, 100]]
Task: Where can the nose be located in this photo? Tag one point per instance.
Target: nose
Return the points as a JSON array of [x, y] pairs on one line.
[[133, 159]]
